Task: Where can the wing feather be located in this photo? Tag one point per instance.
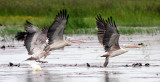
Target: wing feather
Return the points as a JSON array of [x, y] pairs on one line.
[[101, 28], [27, 43], [30, 37], [111, 37], [108, 34], [56, 30], [30, 28]]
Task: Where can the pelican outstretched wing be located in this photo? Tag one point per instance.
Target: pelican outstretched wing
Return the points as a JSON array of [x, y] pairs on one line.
[[101, 28], [109, 35], [31, 36], [56, 30], [30, 28]]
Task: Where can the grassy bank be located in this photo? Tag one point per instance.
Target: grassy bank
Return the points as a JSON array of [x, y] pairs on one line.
[[129, 13]]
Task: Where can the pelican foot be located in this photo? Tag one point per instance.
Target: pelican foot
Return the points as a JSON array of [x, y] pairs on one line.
[[42, 61]]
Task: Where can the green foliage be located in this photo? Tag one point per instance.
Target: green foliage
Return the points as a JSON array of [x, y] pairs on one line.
[[129, 13]]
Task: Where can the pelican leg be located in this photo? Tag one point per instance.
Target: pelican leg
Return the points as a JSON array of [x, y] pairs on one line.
[[106, 61], [46, 54], [48, 49], [31, 58], [38, 60]]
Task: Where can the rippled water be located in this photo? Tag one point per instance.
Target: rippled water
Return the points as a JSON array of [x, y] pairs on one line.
[[69, 64]]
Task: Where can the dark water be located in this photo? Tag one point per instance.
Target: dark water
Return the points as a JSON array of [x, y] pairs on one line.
[[69, 64]]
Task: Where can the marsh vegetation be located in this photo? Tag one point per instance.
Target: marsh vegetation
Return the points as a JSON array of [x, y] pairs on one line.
[[128, 14]]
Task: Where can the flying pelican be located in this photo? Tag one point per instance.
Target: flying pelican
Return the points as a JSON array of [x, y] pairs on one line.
[[56, 31], [108, 36], [35, 41], [54, 34]]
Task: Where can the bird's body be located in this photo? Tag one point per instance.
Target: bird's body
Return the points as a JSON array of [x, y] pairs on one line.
[[58, 45], [115, 53], [108, 36], [35, 41]]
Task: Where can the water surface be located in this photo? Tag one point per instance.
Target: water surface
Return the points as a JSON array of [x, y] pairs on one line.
[[69, 64]]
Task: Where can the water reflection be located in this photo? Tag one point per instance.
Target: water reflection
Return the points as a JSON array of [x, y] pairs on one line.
[[41, 76], [109, 78]]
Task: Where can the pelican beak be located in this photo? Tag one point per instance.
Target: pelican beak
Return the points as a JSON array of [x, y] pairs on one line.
[[73, 40], [132, 46]]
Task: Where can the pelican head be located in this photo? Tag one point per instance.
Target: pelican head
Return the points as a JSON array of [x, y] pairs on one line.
[[67, 43]]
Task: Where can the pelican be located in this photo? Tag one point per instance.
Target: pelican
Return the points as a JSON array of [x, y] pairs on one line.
[[35, 41], [108, 36], [38, 43], [56, 31]]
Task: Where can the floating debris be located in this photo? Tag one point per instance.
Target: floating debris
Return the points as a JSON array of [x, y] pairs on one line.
[[147, 64], [141, 44], [136, 64], [75, 65], [10, 46], [126, 65], [88, 65], [3, 47], [11, 64], [3, 40]]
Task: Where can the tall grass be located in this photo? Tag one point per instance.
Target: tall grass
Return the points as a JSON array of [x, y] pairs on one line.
[[130, 13]]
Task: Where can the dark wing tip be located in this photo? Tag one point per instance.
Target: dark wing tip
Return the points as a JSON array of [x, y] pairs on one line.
[[100, 19], [101, 23], [27, 23], [112, 23], [62, 14], [20, 36], [97, 17], [67, 16]]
